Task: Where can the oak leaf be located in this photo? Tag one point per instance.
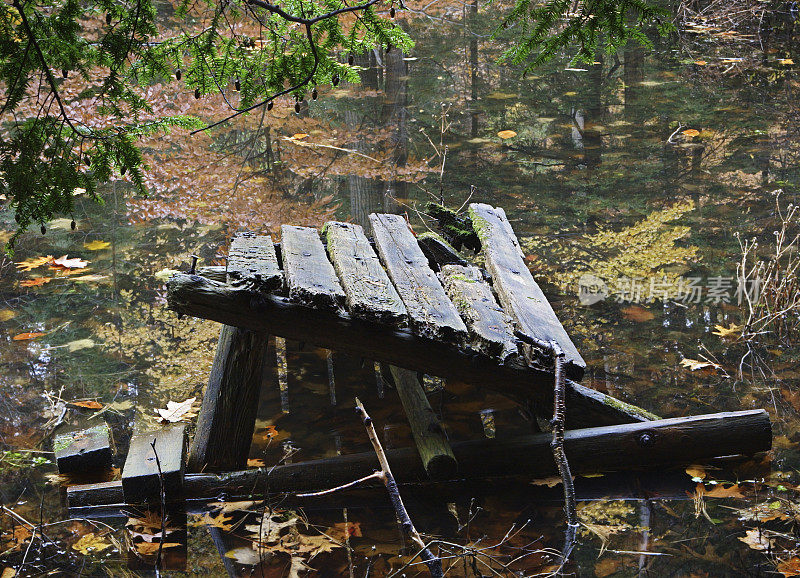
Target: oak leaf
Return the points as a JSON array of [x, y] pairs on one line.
[[757, 539], [91, 543], [177, 410]]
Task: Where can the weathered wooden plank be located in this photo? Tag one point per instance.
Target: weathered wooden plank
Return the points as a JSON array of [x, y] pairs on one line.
[[682, 440], [201, 297], [370, 293], [519, 294], [489, 327], [83, 451], [309, 275], [252, 262], [434, 449], [429, 310], [228, 413], [141, 478]]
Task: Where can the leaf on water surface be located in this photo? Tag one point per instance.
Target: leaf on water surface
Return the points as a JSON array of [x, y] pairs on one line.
[[67, 263], [91, 277], [757, 539], [165, 274], [6, 314], [246, 556], [700, 62], [255, 463], [35, 282], [298, 136], [786, 61], [178, 410], [91, 543], [149, 523], [637, 313], [26, 336], [90, 404], [764, 512], [96, 245], [550, 482], [151, 548], [734, 330], [8, 572], [33, 263], [20, 535], [79, 344], [694, 364], [696, 472], [240, 506], [343, 530], [506, 134], [690, 132], [221, 520], [790, 567], [719, 491]]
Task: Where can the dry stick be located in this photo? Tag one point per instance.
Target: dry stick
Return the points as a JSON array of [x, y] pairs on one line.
[[385, 475]]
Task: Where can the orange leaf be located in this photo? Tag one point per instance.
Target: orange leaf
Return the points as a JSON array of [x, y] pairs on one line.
[[790, 567], [299, 136], [691, 132], [24, 336], [35, 282], [33, 263], [506, 134], [700, 62], [87, 404], [255, 463], [719, 492]]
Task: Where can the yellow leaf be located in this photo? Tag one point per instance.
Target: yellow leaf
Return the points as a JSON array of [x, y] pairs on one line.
[[90, 543], [506, 134], [299, 136], [90, 277], [96, 245], [151, 548], [6, 314], [786, 61], [33, 263], [222, 521], [700, 62], [691, 132], [723, 331], [87, 404]]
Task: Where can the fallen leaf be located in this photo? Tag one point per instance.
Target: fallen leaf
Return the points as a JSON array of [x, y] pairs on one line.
[[694, 364], [96, 245], [246, 556], [255, 463], [786, 61], [20, 535], [506, 134], [6, 314], [8, 572], [67, 263], [637, 313], [549, 482], [756, 539], [87, 404], [221, 520], [733, 491], [35, 282], [79, 344], [690, 132], [723, 331], [151, 548], [696, 472], [299, 136], [24, 336], [33, 263], [240, 506], [90, 543], [700, 62], [343, 530], [790, 567], [92, 277], [177, 410]]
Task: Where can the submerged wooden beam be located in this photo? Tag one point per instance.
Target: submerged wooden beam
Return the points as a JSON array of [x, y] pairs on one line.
[[201, 297], [83, 451], [228, 413], [155, 461], [434, 449], [641, 445], [429, 310], [519, 294]]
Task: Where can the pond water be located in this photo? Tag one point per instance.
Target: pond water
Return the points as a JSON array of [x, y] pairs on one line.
[[671, 152]]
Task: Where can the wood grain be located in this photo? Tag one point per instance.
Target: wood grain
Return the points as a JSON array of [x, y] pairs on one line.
[[309, 275]]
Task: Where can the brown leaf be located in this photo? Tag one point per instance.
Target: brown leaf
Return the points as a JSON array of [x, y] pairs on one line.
[[637, 313], [790, 567], [733, 491]]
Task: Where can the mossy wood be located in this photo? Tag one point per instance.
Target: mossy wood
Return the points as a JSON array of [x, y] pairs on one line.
[[252, 261], [434, 449], [429, 310], [658, 443], [370, 293], [309, 275], [516, 289], [438, 251], [144, 475], [489, 327], [200, 297], [83, 451]]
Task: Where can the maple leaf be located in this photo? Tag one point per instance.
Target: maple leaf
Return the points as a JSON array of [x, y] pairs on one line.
[[222, 520], [25, 336], [34, 263], [733, 330], [96, 245], [790, 567], [757, 539], [35, 282], [67, 263], [177, 410], [90, 543], [694, 364]]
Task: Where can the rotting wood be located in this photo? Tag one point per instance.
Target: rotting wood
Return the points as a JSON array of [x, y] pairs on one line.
[[434, 449], [490, 328], [228, 413], [252, 262], [309, 275], [430, 312], [83, 451], [141, 479], [438, 251], [629, 446], [516, 289], [370, 293], [201, 297]]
